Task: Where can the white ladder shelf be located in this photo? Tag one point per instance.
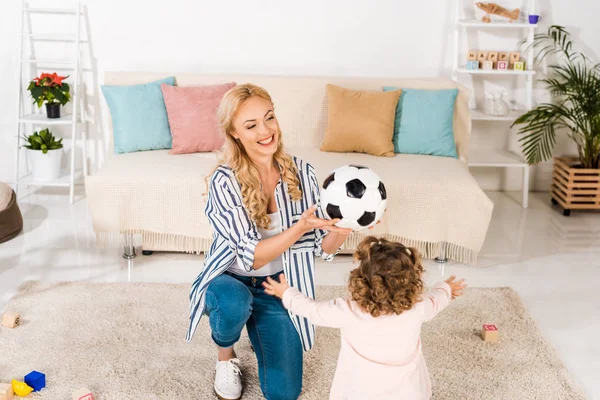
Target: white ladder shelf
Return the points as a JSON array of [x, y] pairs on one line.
[[496, 158], [28, 118]]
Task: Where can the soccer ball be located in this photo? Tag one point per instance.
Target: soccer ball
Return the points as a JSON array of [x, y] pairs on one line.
[[355, 195]]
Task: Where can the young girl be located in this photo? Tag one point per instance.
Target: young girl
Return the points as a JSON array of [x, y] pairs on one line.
[[380, 356]]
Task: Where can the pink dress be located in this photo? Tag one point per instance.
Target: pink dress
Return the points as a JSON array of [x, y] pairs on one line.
[[380, 358]]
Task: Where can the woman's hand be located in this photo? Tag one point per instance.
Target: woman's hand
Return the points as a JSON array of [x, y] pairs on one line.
[[275, 288], [310, 221], [456, 287]]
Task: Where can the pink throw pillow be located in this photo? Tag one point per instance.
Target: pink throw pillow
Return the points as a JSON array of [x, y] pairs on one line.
[[192, 112]]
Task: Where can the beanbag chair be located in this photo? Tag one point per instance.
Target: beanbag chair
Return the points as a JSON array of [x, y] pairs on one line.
[[11, 220]]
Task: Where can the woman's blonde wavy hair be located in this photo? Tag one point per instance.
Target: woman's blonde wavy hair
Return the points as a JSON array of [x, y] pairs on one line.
[[234, 155]]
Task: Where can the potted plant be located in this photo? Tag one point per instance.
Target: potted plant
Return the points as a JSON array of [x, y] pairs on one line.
[[51, 89], [574, 83], [45, 153]]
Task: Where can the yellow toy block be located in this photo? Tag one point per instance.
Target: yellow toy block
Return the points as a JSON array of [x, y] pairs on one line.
[[519, 66], [21, 388]]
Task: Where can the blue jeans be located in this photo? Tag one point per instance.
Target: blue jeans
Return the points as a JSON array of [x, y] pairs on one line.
[[233, 301]]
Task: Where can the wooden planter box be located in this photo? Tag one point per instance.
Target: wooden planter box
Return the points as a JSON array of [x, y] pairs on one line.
[[575, 188]]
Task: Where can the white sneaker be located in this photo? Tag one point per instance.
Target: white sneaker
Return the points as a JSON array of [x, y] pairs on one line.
[[228, 384]]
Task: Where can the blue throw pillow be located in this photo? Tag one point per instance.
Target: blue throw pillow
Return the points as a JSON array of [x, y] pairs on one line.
[[139, 116], [424, 121]]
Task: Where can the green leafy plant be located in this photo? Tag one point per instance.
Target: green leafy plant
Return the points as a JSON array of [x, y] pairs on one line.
[[49, 88], [44, 141], [574, 83]]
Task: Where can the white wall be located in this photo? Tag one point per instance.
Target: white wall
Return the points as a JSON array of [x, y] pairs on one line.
[[311, 37]]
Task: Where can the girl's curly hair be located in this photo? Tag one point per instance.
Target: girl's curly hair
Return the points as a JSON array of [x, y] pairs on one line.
[[388, 280]]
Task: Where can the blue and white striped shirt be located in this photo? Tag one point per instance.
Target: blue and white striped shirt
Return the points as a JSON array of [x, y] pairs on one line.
[[236, 236]]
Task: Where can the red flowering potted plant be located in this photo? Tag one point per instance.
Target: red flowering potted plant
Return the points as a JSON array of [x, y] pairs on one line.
[[51, 89]]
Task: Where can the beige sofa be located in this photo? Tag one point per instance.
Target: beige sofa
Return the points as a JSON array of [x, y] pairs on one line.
[[156, 199]]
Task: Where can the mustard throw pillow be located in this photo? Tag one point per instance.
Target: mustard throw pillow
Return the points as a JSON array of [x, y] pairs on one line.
[[360, 121]]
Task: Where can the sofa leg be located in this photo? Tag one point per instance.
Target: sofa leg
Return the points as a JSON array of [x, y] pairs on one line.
[[441, 258], [147, 252], [129, 248]]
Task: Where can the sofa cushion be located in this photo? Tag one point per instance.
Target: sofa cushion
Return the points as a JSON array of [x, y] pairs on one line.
[[138, 116], [192, 112], [360, 121], [424, 121]]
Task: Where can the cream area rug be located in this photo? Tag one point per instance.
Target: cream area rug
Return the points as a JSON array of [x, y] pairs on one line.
[[127, 341]]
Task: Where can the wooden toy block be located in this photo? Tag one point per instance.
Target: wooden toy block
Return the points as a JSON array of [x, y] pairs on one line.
[[83, 394], [493, 56], [472, 64], [11, 320], [519, 66], [472, 55], [502, 65], [489, 333], [515, 56], [502, 56], [6, 391], [482, 56], [487, 64], [21, 388], [36, 380]]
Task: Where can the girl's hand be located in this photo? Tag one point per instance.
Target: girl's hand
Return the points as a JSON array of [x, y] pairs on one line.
[[373, 226], [310, 221], [456, 287], [275, 288]]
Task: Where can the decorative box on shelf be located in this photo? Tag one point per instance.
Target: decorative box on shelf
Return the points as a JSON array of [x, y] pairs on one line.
[[575, 188]]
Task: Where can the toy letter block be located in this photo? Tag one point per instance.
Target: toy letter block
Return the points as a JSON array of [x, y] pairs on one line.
[[6, 391], [482, 56], [487, 64], [36, 380], [489, 333], [472, 55], [519, 66], [493, 56], [10, 320], [83, 394], [502, 65], [502, 56], [21, 388], [515, 56], [472, 64]]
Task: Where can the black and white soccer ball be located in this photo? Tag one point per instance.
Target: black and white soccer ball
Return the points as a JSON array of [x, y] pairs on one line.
[[354, 194]]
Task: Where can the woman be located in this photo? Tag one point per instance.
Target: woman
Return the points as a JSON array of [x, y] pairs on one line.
[[262, 205]]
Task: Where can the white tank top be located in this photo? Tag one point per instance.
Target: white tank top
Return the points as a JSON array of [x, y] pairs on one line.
[[271, 268]]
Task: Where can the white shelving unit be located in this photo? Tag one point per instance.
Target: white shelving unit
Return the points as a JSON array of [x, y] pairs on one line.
[[495, 158], [463, 70], [30, 117]]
